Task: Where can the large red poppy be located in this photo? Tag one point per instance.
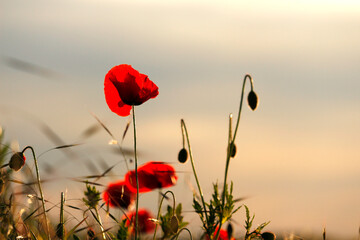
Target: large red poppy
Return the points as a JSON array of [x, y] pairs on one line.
[[144, 220], [125, 87], [152, 175], [118, 195]]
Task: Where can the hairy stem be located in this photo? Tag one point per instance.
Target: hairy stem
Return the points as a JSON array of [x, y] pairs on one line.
[[177, 236], [136, 176], [100, 223], [158, 215], [62, 216], [40, 189], [194, 171], [230, 148]]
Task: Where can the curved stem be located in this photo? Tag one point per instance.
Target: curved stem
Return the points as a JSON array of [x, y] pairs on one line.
[[182, 134], [231, 146], [161, 201], [136, 176], [177, 236], [40, 189], [194, 171], [247, 76]]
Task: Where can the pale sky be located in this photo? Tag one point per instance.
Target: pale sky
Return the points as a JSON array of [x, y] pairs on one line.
[[298, 159]]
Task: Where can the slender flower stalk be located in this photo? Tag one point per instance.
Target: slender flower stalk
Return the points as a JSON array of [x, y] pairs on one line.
[[231, 145], [193, 167], [136, 176], [158, 215], [183, 229], [247, 76], [40, 189], [125, 88], [100, 223], [62, 227]]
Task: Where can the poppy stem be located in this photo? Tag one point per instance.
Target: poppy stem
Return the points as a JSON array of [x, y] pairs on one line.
[[183, 134], [177, 235], [136, 176], [40, 189], [194, 171], [62, 228], [247, 76], [158, 215], [100, 223], [231, 145]]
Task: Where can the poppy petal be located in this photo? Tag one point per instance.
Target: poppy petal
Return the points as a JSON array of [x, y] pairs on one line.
[[152, 175], [125, 86], [144, 220], [118, 195], [113, 99]]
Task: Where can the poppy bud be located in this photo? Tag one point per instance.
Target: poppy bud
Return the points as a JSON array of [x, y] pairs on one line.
[[183, 155], [230, 230], [17, 161], [268, 236], [174, 224], [252, 100], [233, 150], [91, 234]]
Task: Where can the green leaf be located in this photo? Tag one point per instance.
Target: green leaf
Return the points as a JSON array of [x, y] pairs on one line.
[[75, 237], [122, 233]]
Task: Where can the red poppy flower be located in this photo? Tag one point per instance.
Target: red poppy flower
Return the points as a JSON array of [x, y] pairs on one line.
[[152, 175], [222, 236], [144, 220], [118, 195], [125, 87]]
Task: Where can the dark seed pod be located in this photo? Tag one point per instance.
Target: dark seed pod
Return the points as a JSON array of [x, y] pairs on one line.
[[230, 230], [183, 155], [268, 236], [91, 234], [17, 161], [252, 100], [174, 224], [233, 150]]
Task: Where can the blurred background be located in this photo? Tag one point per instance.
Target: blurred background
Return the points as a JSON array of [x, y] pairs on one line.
[[298, 154]]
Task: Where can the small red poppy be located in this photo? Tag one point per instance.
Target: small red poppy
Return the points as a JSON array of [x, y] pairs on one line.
[[222, 236], [118, 195], [152, 175], [125, 87], [144, 220]]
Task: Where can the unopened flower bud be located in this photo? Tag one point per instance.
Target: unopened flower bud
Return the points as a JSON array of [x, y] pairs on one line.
[[268, 236], [17, 161], [232, 150], [174, 224], [252, 100], [183, 155], [91, 234], [230, 230]]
